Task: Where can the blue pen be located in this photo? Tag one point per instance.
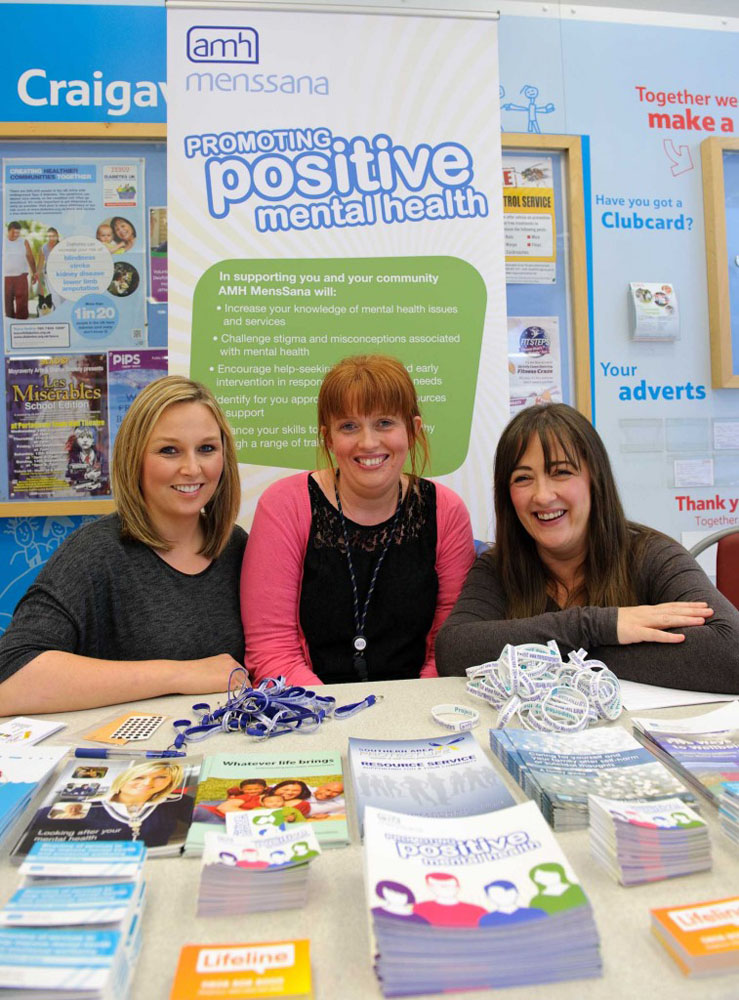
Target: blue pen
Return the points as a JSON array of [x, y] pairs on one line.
[[99, 752]]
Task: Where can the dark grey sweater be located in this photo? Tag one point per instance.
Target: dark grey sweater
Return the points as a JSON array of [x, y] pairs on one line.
[[103, 597], [708, 659]]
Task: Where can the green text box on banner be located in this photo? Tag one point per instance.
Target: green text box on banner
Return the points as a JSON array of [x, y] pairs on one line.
[[265, 331]]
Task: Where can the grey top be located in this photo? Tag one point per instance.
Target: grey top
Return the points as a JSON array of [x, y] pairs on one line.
[[114, 599], [707, 660]]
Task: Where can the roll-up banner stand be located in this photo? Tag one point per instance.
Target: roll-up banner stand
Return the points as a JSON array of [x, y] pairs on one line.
[[335, 189]]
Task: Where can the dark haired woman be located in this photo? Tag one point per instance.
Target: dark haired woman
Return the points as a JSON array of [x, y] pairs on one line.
[[568, 566]]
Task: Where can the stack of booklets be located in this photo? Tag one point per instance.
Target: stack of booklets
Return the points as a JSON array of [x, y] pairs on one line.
[[644, 841], [23, 770], [473, 902], [288, 789], [559, 770], [702, 937], [703, 750], [729, 810], [117, 799], [241, 971], [253, 873], [444, 775], [73, 929]]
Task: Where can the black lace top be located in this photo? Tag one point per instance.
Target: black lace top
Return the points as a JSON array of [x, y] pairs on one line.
[[403, 603]]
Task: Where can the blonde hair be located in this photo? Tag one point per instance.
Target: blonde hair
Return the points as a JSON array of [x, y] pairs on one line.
[[372, 383], [176, 777], [222, 509]]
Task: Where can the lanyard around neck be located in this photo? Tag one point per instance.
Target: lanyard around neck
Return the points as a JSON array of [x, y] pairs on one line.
[[360, 640]]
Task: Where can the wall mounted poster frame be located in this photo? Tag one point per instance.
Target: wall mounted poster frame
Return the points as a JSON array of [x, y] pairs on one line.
[[57, 141], [570, 296], [720, 159]]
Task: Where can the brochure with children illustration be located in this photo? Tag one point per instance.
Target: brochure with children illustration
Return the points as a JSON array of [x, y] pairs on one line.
[[559, 770], [121, 799], [288, 789], [702, 750], [445, 775], [474, 902]]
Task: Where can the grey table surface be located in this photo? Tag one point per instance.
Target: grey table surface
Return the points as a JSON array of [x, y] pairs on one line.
[[335, 918]]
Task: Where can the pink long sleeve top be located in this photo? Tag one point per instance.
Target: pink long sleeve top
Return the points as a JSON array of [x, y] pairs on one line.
[[272, 578]]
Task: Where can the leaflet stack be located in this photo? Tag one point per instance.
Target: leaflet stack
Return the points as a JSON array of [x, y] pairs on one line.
[[73, 929], [473, 903], [22, 771], [251, 874], [701, 937], [729, 810], [645, 841], [702, 750], [559, 770]]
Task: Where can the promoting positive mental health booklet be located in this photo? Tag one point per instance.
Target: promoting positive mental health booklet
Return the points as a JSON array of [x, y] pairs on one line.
[[444, 775], [473, 902], [287, 788]]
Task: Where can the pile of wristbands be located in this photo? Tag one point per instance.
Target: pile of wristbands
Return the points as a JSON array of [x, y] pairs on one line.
[[272, 708], [532, 683]]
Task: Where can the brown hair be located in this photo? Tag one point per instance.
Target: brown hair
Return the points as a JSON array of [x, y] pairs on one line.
[[525, 578], [372, 383], [128, 456]]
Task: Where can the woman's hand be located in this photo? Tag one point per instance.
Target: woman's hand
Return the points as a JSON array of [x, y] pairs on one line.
[[647, 622], [206, 676]]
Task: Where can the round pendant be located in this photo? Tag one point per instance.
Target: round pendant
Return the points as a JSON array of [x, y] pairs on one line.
[[360, 643]]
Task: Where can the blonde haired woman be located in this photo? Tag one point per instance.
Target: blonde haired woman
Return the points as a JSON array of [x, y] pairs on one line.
[[143, 602]]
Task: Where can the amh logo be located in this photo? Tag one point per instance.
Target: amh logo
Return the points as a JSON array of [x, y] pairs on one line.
[[215, 44]]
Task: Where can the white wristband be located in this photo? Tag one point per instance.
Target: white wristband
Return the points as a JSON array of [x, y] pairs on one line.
[[455, 717]]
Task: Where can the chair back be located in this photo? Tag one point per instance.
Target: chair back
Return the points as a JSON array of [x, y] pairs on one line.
[[727, 567]]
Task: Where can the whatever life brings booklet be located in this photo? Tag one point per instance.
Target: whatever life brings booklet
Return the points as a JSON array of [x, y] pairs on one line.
[[473, 902], [22, 771], [702, 750], [294, 788], [559, 770], [121, 799], [702, 938], [445, 775], [244, 971]]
